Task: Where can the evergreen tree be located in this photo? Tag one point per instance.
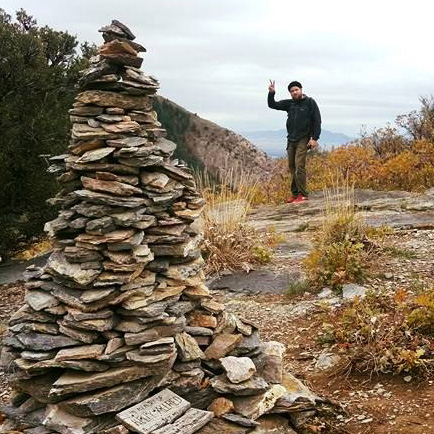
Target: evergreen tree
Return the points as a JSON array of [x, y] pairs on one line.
[[39, 69]]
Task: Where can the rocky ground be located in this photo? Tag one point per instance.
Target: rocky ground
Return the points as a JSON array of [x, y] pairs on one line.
[[380, 405]]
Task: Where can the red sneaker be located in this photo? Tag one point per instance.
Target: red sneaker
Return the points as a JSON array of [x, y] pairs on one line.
[[293, 199], [300, 199]]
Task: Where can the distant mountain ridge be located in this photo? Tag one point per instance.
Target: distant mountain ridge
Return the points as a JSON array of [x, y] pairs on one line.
[[274, 142]]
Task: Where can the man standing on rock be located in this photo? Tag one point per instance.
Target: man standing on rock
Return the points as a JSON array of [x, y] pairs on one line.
[[304, 128]]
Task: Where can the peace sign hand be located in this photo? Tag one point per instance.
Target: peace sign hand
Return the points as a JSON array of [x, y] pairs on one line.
[[271, 86]]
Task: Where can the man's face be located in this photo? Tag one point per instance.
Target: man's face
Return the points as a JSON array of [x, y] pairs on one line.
[[296, 92]]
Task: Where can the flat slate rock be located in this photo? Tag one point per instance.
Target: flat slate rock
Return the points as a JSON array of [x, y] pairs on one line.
[[42, 367], [238, 369], [221, 406], [189, 423], [220, 426], [135, 356], [112, 187], [58, 265], [39, 300], [38, 387], [188, 348], [58, 420], [153, 413], [106, 199], [114, 99], [297, 395], [240, 420], [95, 155], [273, 424], [82, 352], [37, 356], [252, 386], [110, 400], [222, 345], [27, 314], [71, 382], [270, 361], [44, 342], [257, 405]]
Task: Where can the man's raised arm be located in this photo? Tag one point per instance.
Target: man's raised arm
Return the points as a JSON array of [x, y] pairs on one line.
[[272, 103]]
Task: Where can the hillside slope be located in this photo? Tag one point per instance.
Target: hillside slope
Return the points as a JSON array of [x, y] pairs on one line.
[[204, 144]]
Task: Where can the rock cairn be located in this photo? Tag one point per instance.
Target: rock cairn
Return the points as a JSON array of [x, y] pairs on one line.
[[120, 311]]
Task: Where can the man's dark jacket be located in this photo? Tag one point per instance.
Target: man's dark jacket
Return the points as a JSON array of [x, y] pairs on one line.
[[304, 118]]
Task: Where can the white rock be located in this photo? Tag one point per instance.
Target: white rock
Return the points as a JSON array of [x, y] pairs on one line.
[[350, 291], [238, 369], [325, 293], [326, 361], [388, 275]]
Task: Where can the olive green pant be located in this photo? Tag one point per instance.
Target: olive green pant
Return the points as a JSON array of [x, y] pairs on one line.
[[297, 151]]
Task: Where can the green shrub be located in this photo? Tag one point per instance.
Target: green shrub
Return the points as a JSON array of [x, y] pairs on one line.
[[39, 69], [299, 287], [337, 263]]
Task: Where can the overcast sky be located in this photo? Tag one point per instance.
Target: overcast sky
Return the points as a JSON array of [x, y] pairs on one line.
[[364, 62]]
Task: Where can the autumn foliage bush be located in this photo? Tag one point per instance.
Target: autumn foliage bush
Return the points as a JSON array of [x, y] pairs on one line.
[[382, 333]]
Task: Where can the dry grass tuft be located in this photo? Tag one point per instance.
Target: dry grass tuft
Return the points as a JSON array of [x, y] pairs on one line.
[[344, 244], [230, 243]]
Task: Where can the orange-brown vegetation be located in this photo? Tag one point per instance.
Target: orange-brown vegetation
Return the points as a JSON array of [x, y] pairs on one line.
[[385, 333]]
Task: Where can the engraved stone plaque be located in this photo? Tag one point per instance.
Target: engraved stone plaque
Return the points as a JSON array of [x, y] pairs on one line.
[[153, 413]]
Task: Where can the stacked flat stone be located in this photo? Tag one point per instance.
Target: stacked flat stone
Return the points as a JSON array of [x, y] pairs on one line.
[[121, 309]]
